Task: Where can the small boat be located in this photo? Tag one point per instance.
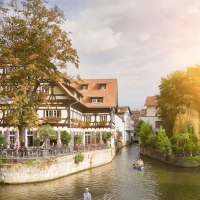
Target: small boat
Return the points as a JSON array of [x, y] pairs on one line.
[[138, 167]]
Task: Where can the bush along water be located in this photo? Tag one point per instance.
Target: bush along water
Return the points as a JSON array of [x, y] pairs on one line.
[[179, 144]]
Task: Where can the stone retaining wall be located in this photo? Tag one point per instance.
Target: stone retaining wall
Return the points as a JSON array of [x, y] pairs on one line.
[[53, 168], [176, 161]]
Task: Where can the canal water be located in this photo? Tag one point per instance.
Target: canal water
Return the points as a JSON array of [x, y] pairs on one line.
[[115, 181]]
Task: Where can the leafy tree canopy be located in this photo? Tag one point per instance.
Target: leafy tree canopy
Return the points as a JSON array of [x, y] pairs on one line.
[[46, 132], [179, 91], [33, 51]]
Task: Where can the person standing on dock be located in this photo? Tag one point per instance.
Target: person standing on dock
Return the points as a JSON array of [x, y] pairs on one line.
[[87, 195]]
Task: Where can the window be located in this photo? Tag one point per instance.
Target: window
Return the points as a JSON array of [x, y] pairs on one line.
[[103, 118], [87, 138], [102, 86], [12, 137], [52, 113], [88, 118], [44, 89], [97, 100], [158, 124], [84, 87]]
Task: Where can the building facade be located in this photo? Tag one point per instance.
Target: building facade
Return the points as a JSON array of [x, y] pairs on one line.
[[151, 114], [87, 108]]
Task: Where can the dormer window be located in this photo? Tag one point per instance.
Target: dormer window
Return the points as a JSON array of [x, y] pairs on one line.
[[97, 100], [84, 87], [102, 86]]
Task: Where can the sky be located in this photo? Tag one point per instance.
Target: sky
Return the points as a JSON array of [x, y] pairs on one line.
[[135, 41]]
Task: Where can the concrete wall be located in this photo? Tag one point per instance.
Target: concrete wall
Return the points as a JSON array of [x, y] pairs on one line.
[[53, 168], [176, 161]]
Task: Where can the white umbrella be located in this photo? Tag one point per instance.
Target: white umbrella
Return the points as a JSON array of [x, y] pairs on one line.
[[17, 143], [7, 138], [59, 143]]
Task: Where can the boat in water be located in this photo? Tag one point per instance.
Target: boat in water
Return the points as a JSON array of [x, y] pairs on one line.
[[139, 165]]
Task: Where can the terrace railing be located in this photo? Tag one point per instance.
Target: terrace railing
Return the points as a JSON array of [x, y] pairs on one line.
[[42, 153]]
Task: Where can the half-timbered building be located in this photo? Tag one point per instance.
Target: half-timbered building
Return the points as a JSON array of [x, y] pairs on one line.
[[85, 107]]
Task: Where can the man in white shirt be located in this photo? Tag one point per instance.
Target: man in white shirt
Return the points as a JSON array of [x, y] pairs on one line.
[[87, 195]]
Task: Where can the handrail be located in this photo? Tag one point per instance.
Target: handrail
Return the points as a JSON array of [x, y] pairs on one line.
[[41, 153]]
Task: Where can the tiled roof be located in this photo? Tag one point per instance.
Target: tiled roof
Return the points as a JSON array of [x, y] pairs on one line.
[[136, 113], [150, 101], [123, 109], [109, 95]]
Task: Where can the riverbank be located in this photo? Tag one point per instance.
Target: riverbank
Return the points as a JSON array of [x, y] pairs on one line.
[[53, 168], [189, 162]]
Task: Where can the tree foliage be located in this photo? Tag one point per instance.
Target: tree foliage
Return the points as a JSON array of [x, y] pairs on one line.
[[65, 137], [33, 50], [163, 143], [106, 135], [179, 91], [139, 124], [184, 143], [145, 131], [2, 139], [78, 139], [46, 132]]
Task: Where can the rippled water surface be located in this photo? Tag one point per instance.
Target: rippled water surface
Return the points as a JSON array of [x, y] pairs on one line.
[[115, 181]]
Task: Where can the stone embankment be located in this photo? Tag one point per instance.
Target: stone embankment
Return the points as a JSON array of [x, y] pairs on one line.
[[53, 168], [176, 161]]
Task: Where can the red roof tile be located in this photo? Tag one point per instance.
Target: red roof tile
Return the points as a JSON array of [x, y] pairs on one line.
[[150, 101], [109, 95]]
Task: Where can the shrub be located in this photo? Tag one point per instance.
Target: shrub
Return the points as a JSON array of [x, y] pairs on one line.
[[1, 162], [145, 131], [151, 140], [184, 143], [106, 136], [46, 132], [2, 139], [163, 143], [65, 137], [78, 139], [79, 157]]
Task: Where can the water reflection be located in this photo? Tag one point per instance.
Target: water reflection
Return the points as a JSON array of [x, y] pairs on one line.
[[115, 181]]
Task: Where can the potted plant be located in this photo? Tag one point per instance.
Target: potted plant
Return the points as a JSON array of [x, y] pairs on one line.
[[65, 137]]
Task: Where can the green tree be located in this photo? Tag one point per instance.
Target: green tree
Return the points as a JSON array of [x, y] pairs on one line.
[[65, 137], [184, 143], [163, 143], [33, 52], [170, 100], [139, 124], [179, 92], [46, 132], [145, 131]]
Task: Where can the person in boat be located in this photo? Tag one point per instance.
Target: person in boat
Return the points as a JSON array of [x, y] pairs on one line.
[[87, 195], [140, 162]]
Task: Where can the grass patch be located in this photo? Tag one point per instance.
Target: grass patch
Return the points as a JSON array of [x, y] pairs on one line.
[[31, 162]]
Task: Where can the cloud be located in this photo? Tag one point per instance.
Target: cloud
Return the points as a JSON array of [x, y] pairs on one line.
[[92, 41], [137, 42]]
